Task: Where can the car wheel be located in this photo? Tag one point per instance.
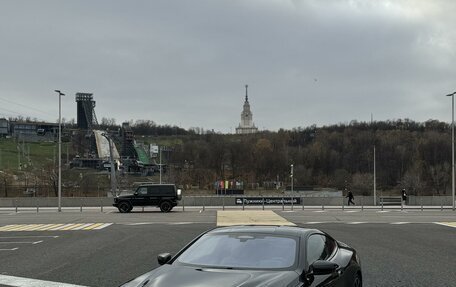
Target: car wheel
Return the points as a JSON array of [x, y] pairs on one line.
[[165, 206], [357, 282], [125, 207]]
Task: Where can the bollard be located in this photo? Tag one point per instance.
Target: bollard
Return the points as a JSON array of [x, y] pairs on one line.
[[283, 204], [223, 202], [81, 206], [402, 206], [382, 205], [441, 204], [292, 203], [302, 203], [343, 205], [37, 206], [243, 200], [421, 203], [183, 204], [362, 203], [16, 204], [143, 209], [263, 203], [204, 207]]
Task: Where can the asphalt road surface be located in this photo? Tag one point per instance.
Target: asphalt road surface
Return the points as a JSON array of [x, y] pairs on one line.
[[396, 248]]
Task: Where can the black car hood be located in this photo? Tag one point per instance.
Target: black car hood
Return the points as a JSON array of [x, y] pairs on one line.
[[184, 276]]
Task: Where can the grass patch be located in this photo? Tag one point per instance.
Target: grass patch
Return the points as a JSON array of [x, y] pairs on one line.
[[34, 155]]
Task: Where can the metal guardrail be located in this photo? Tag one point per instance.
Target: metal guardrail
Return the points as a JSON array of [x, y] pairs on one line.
[[236, 202]]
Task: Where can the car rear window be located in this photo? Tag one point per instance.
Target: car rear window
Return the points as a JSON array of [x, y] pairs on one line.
[[257, 251]]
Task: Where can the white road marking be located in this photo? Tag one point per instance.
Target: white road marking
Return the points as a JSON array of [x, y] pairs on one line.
[[30, 236], [319, 210], [399, 223], [21, 242], [12, 249], [351, 211], [356, 222], [27, 282], [383, 211], [314, 222]]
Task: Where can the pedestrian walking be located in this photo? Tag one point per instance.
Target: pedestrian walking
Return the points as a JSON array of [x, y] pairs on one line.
[[404, 196], [350, 198]]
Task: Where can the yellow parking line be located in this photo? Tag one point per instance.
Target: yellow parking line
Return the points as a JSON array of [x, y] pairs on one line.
[[103, 226], [49, 226], [44, 227], [93, 226], [54, 226], [28, 227], [449, 224], [8, 227], [59, 227], [70, 227]]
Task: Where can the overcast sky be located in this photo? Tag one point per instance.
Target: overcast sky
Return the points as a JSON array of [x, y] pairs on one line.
[[186, 62]]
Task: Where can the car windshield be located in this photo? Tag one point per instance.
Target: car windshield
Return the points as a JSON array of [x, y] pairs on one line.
[[256, 251]]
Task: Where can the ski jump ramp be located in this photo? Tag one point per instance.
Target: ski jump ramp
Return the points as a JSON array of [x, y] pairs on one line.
[[103, 146]]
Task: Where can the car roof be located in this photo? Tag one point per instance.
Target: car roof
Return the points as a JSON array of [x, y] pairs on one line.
[[268, 229]]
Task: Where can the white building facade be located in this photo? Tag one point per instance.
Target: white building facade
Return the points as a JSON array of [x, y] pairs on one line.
[[246, 126]]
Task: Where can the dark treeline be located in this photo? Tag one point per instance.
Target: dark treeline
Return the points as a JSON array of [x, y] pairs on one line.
[[411, 155]]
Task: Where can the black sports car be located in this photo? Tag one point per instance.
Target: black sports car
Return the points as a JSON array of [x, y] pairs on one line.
[[247, 256]]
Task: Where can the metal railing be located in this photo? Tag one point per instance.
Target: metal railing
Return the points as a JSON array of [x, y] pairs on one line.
[[239, 203]]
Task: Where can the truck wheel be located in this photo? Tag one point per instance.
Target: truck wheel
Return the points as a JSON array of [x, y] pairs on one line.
[[125, 207], [165, 206]]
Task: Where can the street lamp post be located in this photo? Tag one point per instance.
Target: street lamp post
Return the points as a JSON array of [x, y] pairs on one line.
[[160, 151], [292, 192], [452, 146], [375, 180], [60, 151], [291, 175]]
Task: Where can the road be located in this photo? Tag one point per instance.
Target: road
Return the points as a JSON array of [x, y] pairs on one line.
[[397, 248]]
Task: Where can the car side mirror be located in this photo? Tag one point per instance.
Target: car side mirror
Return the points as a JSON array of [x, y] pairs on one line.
[[163, 258], [136, 193], [323, 267]]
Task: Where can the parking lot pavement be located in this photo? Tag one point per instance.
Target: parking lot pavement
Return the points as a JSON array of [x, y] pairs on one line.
[[396, 248]]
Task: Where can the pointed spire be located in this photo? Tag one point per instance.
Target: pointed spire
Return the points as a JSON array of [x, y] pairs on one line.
[[246, 94]]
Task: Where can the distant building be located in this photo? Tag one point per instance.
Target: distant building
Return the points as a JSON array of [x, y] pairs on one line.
[[246, 126], [4, 127], [35, 131]]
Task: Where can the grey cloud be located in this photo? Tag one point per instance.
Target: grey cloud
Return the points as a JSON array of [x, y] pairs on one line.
[[186, 62]]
